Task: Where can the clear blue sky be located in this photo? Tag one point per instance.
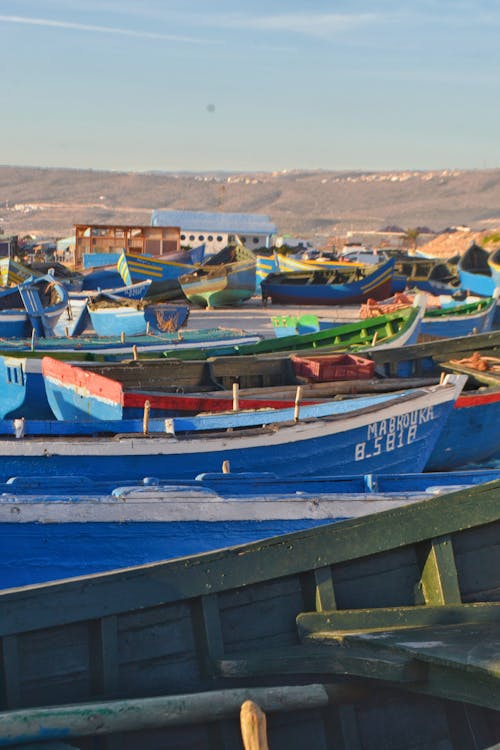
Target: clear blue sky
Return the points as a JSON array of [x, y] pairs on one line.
[[260, 85]]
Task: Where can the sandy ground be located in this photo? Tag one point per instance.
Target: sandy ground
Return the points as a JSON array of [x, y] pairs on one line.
[[253, 316]]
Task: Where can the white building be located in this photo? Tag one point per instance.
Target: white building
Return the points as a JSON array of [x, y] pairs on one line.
[[214, 230]]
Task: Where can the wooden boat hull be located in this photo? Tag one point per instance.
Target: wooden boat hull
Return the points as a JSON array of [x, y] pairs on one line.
[[136, 321], [264, 265], [387, 331], [155, 631], [387, 433], [287, 264], [471, 434], [23, 390], [294, 289], [463, 320], [214, 286], [475, 272], [134, 268]]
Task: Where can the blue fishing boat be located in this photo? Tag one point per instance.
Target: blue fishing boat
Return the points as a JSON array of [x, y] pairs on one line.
[[23, 392], [264, 265], [475, 272], [494, 264], [291, 263], [122, 390], [445, 317], [471, 434], [430, 275], [112, 315], [326, 287], [34, 306], [383, 433], [64, 529], [162, 271], [460, 320]]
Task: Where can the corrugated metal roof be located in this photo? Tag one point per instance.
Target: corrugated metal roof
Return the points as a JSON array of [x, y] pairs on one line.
[[214, 222]]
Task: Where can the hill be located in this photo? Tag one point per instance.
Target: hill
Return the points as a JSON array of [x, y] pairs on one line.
[[313, 204]]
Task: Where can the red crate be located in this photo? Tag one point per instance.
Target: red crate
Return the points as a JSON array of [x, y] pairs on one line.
[[333, 367]]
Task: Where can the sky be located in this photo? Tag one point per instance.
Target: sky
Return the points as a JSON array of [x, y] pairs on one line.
[[262, 85]]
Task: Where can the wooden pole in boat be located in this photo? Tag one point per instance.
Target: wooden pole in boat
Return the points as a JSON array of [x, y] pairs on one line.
[[375, 337], [134, 352], [145, 419], [298, 398], [148, 328], [253, 727], [122, 337], [226, 467], [236, 400], [33, 340]]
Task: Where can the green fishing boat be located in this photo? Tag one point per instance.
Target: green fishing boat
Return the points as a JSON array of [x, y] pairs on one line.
[[374, 633], [391, 330]]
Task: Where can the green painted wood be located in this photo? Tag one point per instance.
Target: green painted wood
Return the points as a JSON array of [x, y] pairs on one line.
[[208, 631], [147, 586], [143, 714], [325, 659], [325, 594], [349, 727], [461, 661], [439, 580], [104, 656], [10, 687], [338, 623]]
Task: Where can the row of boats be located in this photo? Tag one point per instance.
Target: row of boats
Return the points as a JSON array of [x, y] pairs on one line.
[[299, 520]]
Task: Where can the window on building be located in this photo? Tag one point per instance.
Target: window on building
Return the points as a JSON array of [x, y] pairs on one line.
[[243, 239], [210, 237], [256, 240], [201, 237], [183, 236], [191, 237], [219, 238]]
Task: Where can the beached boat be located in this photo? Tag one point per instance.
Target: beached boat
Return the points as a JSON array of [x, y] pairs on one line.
[[386, 432], [429, 275], [291, 263], [379, 632], [32, 307], [107, 525], [264, 265], [228, 278], [112, 392], [112, 315], [494, 264], [475, 272], [162, 271], [392, 330], [471, 434], [327, 287], [444, 317]]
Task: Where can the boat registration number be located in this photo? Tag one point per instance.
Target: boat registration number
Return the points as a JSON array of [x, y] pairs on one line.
[[394, 432]]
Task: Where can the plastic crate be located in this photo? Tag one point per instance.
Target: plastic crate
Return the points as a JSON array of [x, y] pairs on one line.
[[333, 367]]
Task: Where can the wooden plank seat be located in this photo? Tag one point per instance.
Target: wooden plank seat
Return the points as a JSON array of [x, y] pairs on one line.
[[455, 649]]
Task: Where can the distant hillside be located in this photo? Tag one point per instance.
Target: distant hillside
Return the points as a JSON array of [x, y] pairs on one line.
[[313, 204]]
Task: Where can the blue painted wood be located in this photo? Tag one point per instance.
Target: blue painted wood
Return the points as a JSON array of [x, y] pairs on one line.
[[471, 434], [29, 312], [132, 321], [390, 435], [461, 321], [70, 534], [248, 484], [323, 290], [23, 389]]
